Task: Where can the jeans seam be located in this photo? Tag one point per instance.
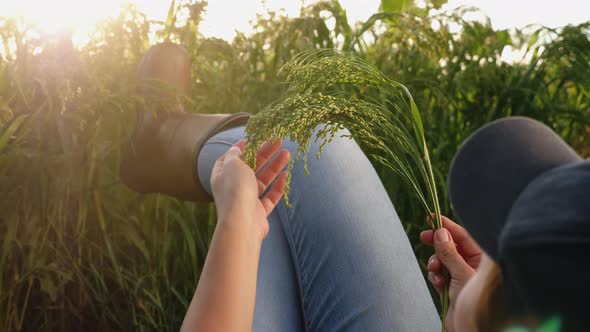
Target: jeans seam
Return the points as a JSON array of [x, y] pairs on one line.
[[284, 218]]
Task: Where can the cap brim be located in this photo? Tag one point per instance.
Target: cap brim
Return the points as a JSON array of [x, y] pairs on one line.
[[493, 167]]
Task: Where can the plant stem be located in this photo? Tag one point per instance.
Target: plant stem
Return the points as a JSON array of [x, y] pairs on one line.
[[445, 305], [436, 225]]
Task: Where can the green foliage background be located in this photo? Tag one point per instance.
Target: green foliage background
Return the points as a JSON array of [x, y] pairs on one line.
[[79, 251]]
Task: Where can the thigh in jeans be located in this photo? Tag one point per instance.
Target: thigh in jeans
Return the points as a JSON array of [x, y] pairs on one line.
[[338, 259], [356, 268]]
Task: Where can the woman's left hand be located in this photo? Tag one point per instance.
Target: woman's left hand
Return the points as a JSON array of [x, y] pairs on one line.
[[223, 302], [238, 191]]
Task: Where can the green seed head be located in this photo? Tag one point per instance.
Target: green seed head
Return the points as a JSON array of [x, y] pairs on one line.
[[329, 91]]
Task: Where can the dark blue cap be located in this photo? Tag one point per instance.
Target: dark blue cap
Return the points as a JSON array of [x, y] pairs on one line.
[[544, 247], [524, 195], [494, 166]]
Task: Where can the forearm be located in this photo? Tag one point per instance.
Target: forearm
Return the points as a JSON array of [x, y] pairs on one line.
[[225, 296]]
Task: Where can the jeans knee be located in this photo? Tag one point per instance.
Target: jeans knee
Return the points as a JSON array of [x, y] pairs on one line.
[[342, 146]]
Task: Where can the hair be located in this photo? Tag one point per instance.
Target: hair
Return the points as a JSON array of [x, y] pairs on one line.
[[490, 310], [491, 313]]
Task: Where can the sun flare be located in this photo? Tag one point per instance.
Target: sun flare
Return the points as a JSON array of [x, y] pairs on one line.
[[51, 16], [223, 17]]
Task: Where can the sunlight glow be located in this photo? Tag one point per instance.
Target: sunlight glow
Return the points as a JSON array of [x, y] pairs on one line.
[[224, 17], [51, 16]]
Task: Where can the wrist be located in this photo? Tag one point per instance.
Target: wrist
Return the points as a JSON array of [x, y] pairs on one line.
[[233, 208], [230, 211], [241, 226]]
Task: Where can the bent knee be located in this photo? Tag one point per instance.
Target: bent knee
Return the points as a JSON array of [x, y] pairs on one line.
[[341, 145], [341, 154]]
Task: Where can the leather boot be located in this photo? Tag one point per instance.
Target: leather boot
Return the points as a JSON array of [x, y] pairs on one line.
[[163, 152]]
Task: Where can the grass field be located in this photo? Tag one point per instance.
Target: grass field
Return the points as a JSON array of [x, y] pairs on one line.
[[79, 251]]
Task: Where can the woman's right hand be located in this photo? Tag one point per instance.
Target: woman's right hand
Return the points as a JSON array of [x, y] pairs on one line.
[[457, 252]]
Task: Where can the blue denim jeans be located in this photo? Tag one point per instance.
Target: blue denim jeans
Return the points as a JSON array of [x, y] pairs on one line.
[[338, 259]]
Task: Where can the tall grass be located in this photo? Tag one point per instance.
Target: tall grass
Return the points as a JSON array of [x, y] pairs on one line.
[[81, 252]]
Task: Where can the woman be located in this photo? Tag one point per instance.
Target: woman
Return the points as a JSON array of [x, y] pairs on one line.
[[337, 260]]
